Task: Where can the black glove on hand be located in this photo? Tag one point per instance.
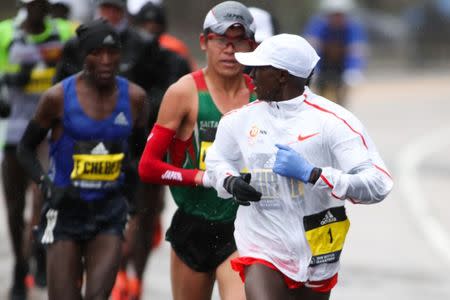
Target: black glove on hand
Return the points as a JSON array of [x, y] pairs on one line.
[[241, 190], [55, 195]]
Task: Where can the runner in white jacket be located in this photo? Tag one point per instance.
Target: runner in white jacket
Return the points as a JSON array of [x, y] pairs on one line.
[[306, 156]]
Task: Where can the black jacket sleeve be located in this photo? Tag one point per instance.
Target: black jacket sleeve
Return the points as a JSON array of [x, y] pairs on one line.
[[71, 61], [169, 67]]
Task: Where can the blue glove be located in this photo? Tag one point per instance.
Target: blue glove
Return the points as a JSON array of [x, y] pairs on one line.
[[290, 164]]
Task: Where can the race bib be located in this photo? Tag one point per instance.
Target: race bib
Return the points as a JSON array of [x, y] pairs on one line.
[[40, 80], [326, 232], [204, 146], [96, 162], [207, 134], [267, 182]]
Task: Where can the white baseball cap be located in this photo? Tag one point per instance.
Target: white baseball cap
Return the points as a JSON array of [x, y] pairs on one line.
[[263, 22], [288, 52], [337, 6]]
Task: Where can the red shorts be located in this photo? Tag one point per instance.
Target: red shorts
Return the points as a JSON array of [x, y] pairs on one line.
[[323, 286]]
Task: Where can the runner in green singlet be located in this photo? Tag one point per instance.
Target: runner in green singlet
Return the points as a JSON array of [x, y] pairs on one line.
[[201, 232], [199, 201]]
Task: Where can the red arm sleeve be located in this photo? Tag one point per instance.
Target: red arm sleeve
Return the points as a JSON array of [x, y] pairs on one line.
[[177, 151], [153, 169]]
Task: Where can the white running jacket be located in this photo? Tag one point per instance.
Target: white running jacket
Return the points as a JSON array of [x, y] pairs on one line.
[[300, 228]]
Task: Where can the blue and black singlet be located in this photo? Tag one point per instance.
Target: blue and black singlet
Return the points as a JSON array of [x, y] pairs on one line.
[[90, 153]]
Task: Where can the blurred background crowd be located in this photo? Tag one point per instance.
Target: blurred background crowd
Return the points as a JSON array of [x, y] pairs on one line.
[[414, 32], [403, 37]]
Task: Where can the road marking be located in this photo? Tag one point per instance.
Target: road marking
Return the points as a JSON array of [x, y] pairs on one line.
[[408, 161]]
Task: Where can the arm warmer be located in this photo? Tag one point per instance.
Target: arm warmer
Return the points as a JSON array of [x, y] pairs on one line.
[[177, 151], [26, 150], [152, 169], [137, 142]]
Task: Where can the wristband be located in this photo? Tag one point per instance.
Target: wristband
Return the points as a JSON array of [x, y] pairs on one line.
[[315, 175]]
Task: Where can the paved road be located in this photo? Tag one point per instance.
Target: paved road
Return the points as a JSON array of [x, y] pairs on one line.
[[399, 249]]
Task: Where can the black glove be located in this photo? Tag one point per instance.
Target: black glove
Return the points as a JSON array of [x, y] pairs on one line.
[[56, 195], [241, 190]]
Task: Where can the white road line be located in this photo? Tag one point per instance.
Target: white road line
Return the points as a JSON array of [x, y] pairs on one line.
[[408, 161]]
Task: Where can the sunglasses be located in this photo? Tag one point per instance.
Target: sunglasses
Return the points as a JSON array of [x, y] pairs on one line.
[[238, 43]]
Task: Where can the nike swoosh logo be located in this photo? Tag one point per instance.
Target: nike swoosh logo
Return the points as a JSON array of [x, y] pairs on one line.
[[305, 137]]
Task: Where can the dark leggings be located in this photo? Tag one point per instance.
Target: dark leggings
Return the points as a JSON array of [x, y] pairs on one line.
[[65, 267], [263, 283], [15, 184]]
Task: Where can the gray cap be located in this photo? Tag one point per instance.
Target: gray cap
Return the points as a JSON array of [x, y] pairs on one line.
[[119, 3], [229, 13]]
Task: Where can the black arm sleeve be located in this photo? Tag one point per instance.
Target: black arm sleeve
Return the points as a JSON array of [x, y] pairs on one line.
[[26, 150], [155, 96], [137, 141]]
